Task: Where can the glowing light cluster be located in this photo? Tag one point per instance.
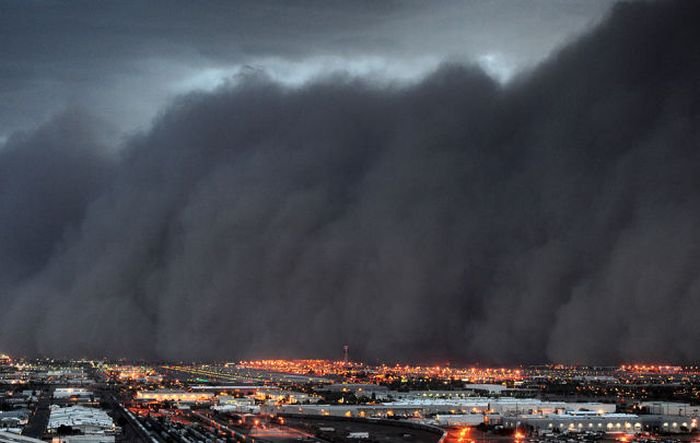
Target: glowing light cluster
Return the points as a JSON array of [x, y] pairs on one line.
[[384, 373], [303, 367], [473, 374], [133, 373], [661, 369]]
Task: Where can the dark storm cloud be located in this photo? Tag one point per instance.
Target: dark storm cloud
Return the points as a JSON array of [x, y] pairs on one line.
[[124, 59], [47, 178], [553, 218]]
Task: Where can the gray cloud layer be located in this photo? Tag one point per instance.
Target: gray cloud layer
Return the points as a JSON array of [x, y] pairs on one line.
[[553, 219], [124, 59]]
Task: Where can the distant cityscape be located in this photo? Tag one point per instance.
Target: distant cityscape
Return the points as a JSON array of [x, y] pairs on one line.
[[343, 401]]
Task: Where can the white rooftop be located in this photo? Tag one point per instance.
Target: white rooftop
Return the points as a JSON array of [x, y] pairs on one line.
[[76, 416]]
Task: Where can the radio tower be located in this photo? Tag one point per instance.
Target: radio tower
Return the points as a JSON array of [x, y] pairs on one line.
[[345, 354]]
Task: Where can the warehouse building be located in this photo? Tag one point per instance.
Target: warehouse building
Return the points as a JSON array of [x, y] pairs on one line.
[[364, 411], [359, 390], [10, 437], [80, 418], [578, 421], [581, 421], [670, 408], [175, 395]]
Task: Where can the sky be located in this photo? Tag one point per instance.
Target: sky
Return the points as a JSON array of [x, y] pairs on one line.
[[125, 60], [484, 181]]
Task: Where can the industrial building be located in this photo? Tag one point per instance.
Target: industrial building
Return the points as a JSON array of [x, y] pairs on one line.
[[429, 394], [505, 406], [467, 419], [227, 403], [670, 408], [176, 396], [365, 411], [359, 390], [573, 421], [83, 439], [14, 419], [10, 437], [284, 396], [70, 393], [579, 421], [81, 418], [468, 411]]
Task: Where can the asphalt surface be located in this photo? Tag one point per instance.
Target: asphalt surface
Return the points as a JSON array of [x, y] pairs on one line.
[[378, 432], [40, 417], [266, 432]]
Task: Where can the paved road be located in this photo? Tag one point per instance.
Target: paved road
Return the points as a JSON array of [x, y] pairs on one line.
[[40, 418]]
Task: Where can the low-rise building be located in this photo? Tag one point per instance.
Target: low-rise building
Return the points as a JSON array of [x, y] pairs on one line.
[[359, 390], [14, 419], [176, 396], [573, 421], [460, 419], [83, 419], [365, 411], [283, 396], [670, 408], [66, 393], [245, 405], [11, 437], [83, 439]]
